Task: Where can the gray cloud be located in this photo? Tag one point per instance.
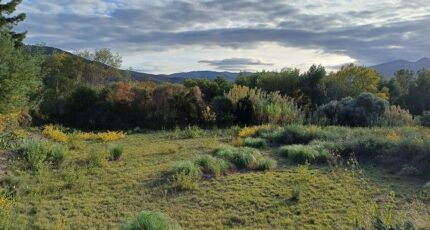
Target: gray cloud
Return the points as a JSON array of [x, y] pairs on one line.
[[235, 64], [370, 35]]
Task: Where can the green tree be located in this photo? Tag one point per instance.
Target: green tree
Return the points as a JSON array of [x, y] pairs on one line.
[[418, 99], [102, 67], [19, 76], [7, 21], [399, 87], [351, 80], [311, 86]]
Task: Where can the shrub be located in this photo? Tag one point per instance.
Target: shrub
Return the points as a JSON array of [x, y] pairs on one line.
[[255, 142], [295, 193], [9, 121], [193, 132], [257, 106], [110, 136], [364, 110], [57, 155], [147, 220], [55, 134], [243, 157], [425, 119], [396, 116], [212, 165], [305, 153], [102, 136], [95, 159], [248, 132], [408, 170], [34, 152], [265, 164], [115, 152]]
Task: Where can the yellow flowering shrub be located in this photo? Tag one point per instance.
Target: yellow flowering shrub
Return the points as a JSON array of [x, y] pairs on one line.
[[54, 133], [393, 136], [104, 136], [4, 203], [9, 121], [110, 136], [248, 131]]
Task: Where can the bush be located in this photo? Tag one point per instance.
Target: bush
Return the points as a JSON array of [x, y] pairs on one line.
[[115, 152], [248, 132], [147, 220], [257, 106], [295, 193], [255, 142], [243, 157], [265, 164], [34, 152], [364, 110], [396, 116], [193, 132], [212, 165], [95, 159], [102, 136], [425, 119], [57, 155], [305, 153], [55, 134]]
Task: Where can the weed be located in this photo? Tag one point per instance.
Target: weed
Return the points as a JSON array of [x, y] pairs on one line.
[[295, 193], [95, 159], [55, 134], [147, 220], [115, 152]]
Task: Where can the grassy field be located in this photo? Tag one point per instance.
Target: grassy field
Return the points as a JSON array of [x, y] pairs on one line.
[[103, 194]]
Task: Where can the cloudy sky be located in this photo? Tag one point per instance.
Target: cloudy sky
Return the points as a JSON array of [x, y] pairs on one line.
[[166, 36]]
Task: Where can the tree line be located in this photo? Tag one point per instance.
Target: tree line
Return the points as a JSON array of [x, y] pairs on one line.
[[87, 90]]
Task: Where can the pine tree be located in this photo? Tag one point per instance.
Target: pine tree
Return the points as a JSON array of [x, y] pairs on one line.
[[7, 22]]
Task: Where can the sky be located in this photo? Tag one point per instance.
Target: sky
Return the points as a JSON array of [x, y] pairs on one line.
[[166, 36]]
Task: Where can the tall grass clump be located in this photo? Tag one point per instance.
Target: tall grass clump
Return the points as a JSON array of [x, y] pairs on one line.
[[305, 153], [255, 142], [148, 220], [242, 158], [115, 152], [265, 164], [184, 175], [296, 134], [212, 165], [193, 132]]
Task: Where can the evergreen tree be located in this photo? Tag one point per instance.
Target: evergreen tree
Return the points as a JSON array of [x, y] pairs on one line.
[[7, 22]]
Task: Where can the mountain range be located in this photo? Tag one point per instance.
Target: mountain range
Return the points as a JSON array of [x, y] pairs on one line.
[[387, 70]]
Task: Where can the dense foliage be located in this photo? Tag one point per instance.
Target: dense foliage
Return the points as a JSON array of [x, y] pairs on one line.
[[19, 76]]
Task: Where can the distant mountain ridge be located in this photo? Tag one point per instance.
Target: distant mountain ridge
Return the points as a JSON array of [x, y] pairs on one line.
[[139, 76], [388, 69]]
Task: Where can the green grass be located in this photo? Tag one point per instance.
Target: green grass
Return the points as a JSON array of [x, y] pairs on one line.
[[105, 197]]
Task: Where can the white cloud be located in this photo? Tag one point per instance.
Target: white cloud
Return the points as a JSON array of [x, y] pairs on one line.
[[174, 35]]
